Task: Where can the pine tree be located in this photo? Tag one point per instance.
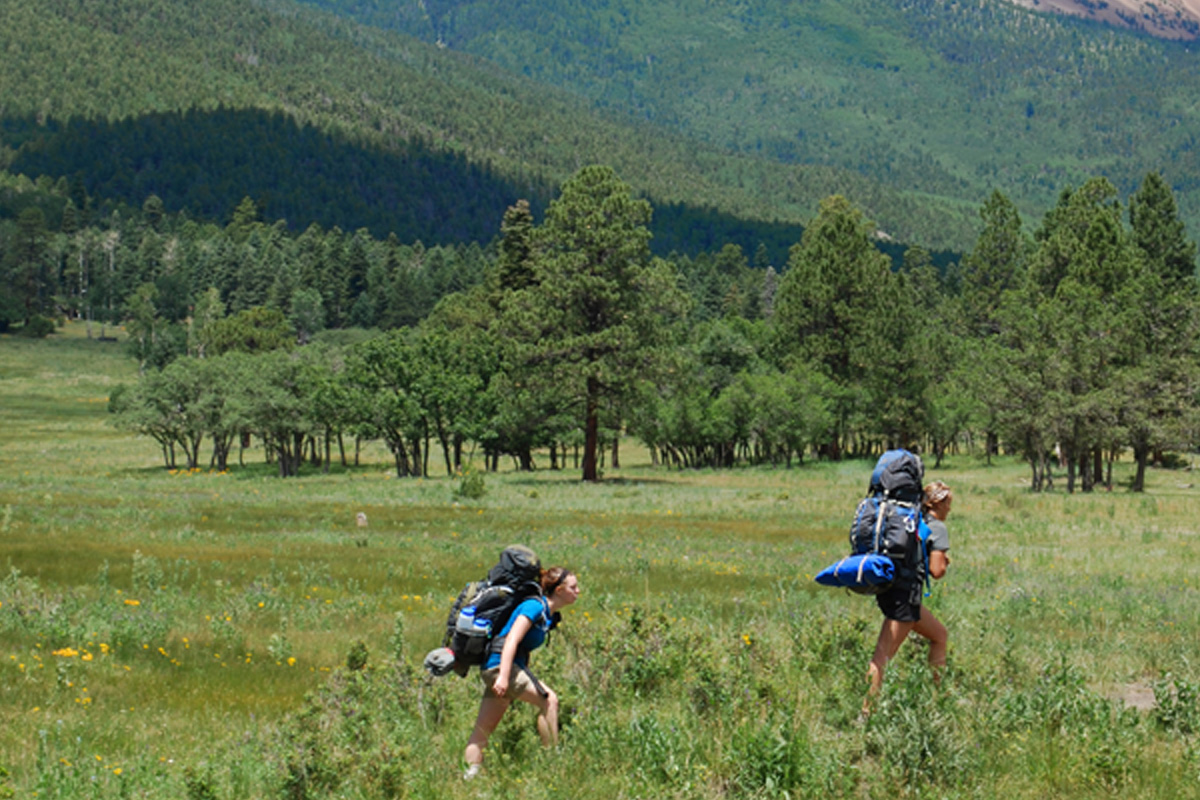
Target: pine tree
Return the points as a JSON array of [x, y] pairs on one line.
[[1160, 234], [27, 267], [829, 306], [994, 266], [1157, 393], [593, 319], [514, 263]]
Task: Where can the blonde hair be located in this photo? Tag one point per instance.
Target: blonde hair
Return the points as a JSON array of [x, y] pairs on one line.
[[936, 492]]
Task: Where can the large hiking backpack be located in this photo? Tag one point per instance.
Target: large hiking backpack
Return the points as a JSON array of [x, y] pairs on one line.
[[482, 608], [886, 546]]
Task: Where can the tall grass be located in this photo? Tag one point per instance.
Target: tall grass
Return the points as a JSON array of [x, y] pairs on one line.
[[187, 634]]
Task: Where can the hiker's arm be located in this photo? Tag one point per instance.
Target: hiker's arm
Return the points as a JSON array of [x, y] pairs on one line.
[[520, 627], [938, 561]]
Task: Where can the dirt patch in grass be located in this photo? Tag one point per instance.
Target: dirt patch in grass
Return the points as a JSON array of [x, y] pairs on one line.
[[1134, 695]]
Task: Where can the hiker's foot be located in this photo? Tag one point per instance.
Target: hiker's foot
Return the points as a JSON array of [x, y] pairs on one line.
[[472, 771]]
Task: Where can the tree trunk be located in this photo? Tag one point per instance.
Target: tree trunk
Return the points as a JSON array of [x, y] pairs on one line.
[[1072, 463], [417, 459], [401, 456], [281, 457], [1141, 455], [447, 453], [591, 438], [221, 452], [194, 455]]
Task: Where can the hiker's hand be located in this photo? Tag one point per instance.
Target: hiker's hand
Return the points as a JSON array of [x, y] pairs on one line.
[[500, 685]]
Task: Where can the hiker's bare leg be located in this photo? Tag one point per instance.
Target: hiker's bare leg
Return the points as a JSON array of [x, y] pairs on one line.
[[933, 630], [547, 719], [891, 635], [491, 710]]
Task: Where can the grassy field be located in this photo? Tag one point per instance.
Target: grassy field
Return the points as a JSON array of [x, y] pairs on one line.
[[186, 634]]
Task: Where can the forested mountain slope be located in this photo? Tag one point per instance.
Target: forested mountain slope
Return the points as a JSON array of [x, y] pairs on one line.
[[930, 97], [345, 109]]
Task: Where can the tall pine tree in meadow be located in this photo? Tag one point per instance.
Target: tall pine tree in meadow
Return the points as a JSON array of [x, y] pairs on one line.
[[1158, 392], [829, 307], [595, 317], [995, 266], [1070, 336], [521, 403]]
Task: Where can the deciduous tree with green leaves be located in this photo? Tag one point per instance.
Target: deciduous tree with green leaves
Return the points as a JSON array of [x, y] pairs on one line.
[[385, 372]]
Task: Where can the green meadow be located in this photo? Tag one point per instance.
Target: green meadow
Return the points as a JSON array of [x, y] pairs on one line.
[[231, 635]]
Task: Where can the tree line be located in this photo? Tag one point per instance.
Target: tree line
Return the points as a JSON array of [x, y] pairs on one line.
[[1069, 345]]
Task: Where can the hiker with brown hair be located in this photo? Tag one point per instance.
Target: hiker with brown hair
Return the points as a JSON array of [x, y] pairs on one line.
[[506, 675]]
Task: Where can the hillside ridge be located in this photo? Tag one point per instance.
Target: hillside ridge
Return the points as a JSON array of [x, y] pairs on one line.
[[380, 88], [933, 99]]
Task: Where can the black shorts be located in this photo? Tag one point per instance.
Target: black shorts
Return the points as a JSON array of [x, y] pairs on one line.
[[901, 603]]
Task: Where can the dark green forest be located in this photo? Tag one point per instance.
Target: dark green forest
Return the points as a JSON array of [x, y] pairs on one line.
[[204, 163]]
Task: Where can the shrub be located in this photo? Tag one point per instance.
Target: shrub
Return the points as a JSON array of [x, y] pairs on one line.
[[1177, 705], [472, 486], [38, 327], [356, 659]]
